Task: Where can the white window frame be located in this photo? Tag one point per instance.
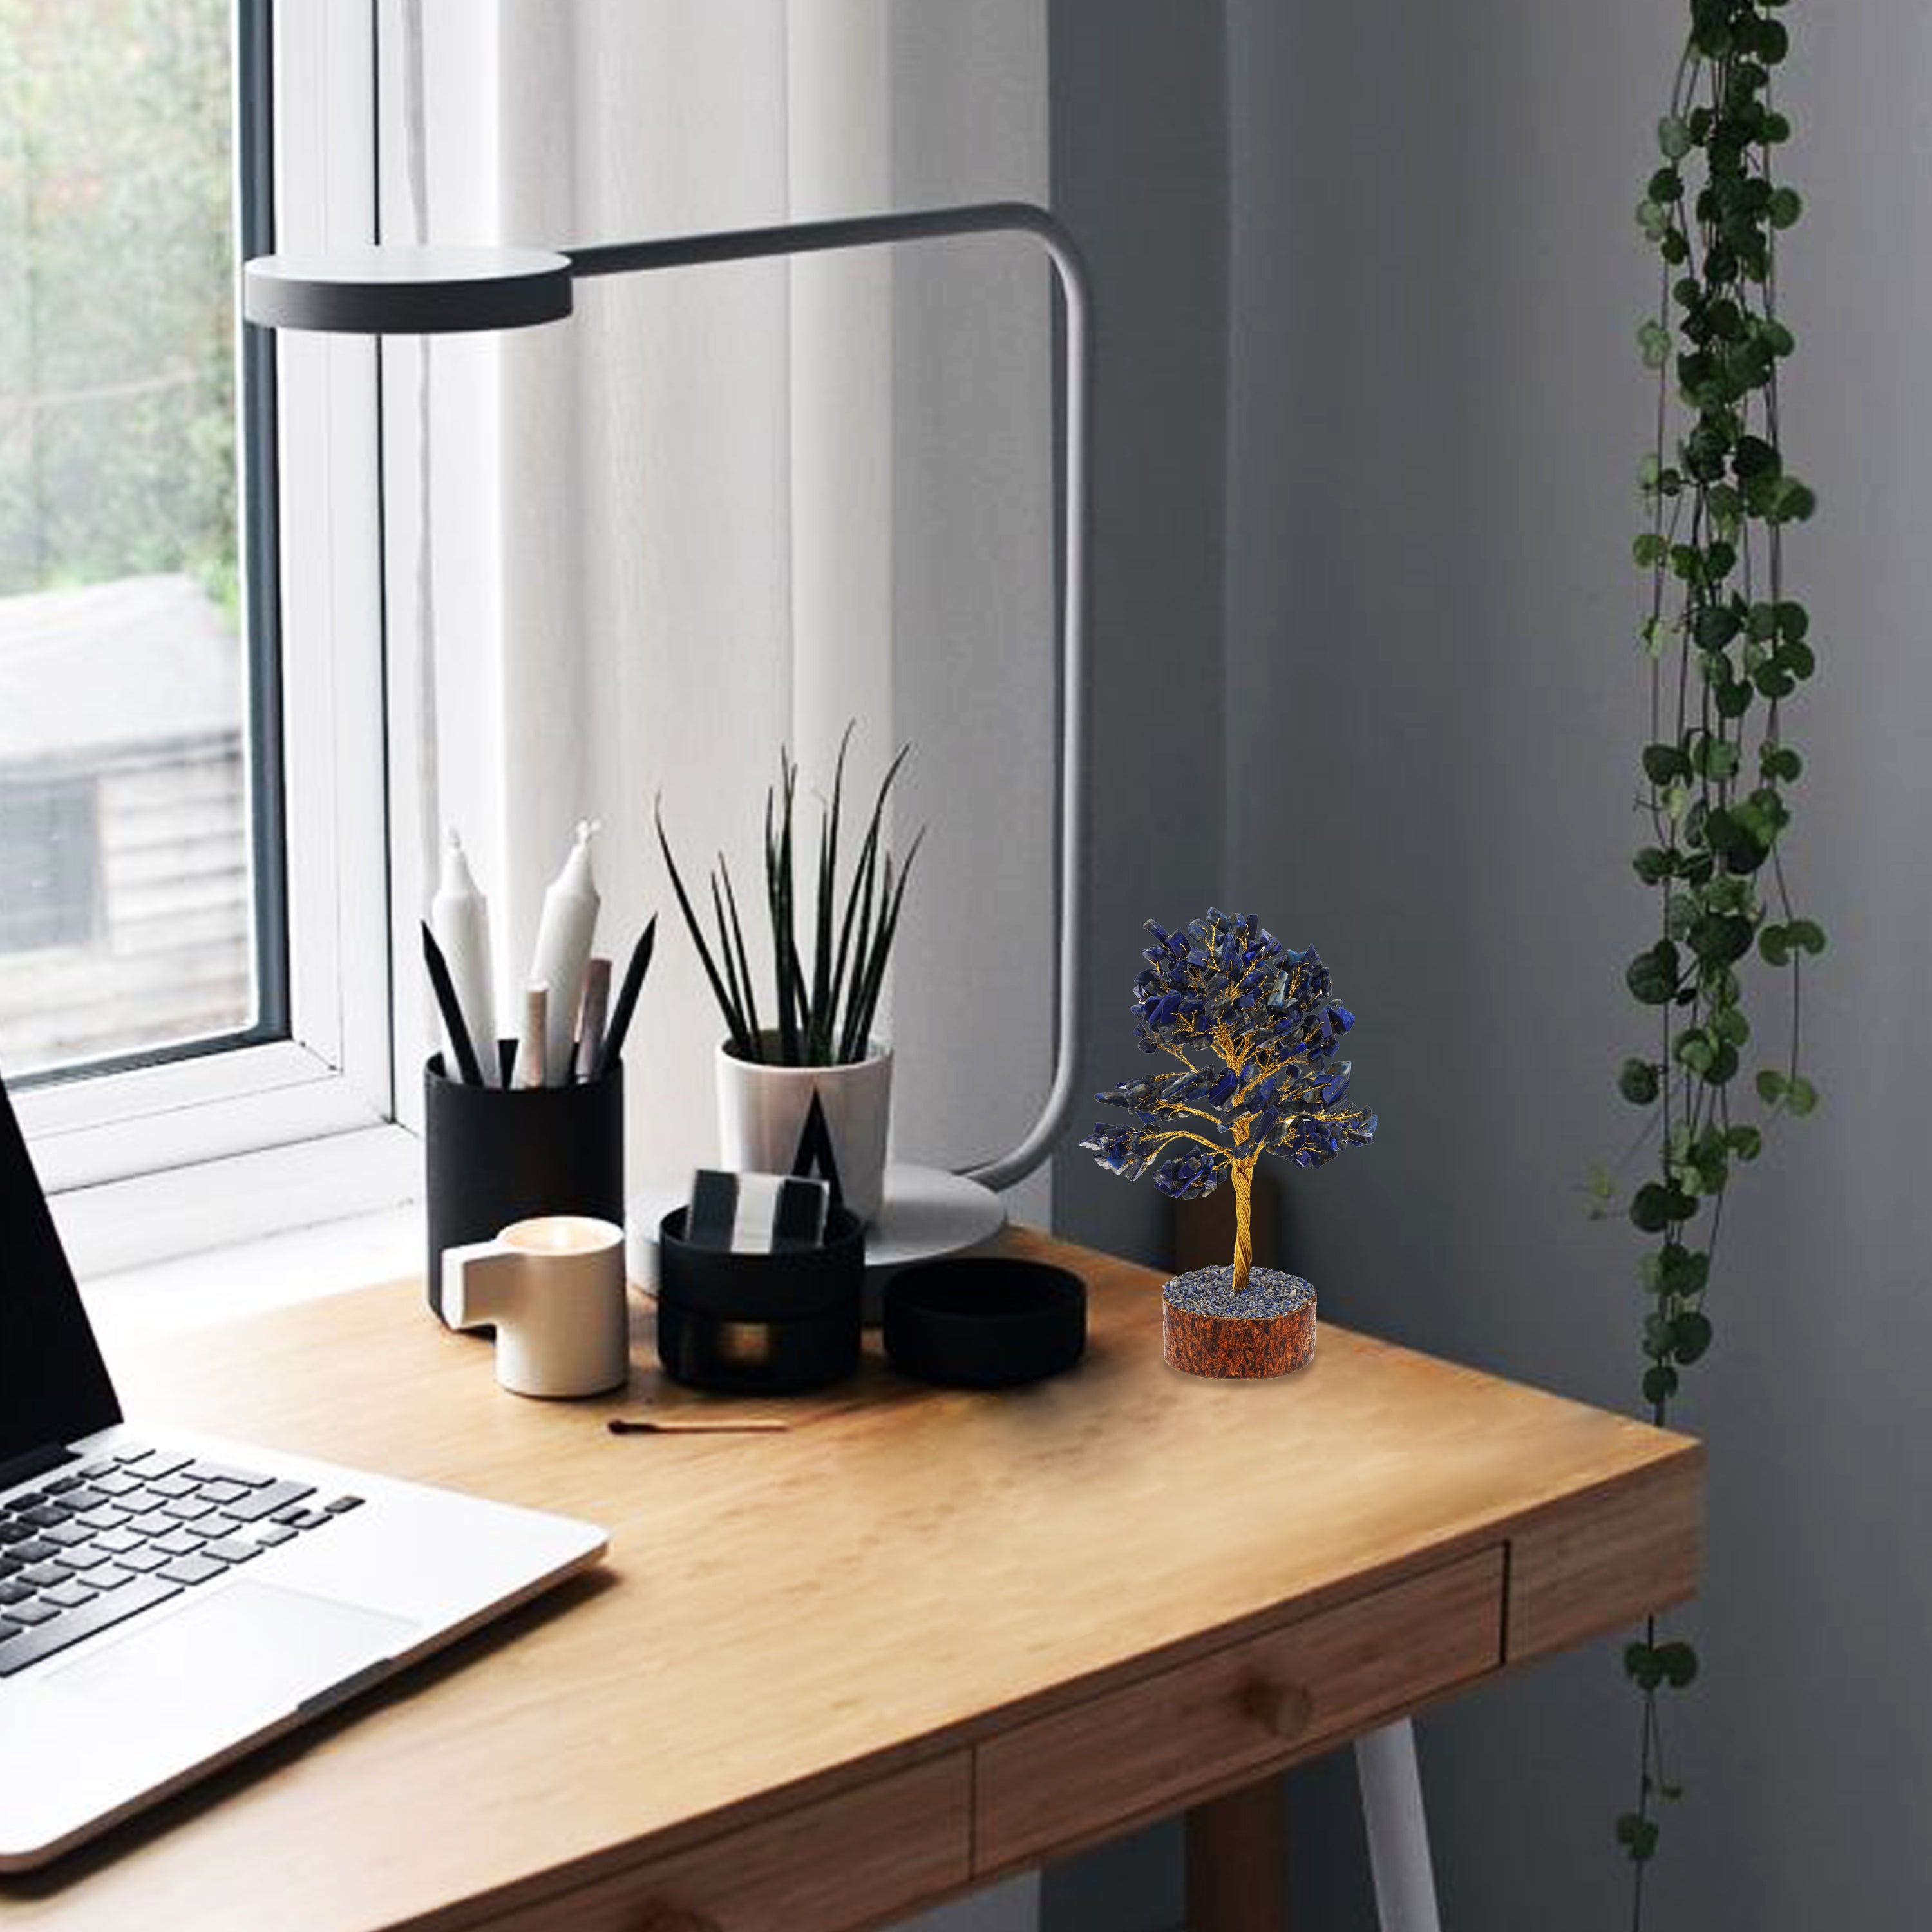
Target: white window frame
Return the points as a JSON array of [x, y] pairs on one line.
[[234, 1144]]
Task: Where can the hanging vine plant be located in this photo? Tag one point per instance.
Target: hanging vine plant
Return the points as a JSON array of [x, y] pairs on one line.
[[1727, 648]]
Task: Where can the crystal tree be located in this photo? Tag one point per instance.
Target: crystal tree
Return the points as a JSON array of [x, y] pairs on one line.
[[1254, 1027]]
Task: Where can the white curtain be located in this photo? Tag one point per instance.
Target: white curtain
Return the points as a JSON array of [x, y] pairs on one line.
[[726, 509]]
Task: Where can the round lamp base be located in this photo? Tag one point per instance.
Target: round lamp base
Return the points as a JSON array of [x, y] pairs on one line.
[[1207, 1329]]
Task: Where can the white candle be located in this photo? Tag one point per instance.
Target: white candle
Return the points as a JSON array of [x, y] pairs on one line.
[[564, 937], [459, 917]]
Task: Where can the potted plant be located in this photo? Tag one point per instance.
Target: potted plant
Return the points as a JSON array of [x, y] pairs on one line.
[[1255, 1028], [803, 1084]]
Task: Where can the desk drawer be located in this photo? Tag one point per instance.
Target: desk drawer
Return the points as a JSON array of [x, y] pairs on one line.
[[849, 1860], [1152, 1746]]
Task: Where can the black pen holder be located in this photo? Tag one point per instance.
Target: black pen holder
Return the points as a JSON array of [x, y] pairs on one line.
[[773, 1324], [493, 1155]]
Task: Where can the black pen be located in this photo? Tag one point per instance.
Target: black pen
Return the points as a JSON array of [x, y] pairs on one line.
[[627, 1000], [440, 983]]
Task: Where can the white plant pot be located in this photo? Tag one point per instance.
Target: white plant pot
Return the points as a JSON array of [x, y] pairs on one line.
[[762, 1111]]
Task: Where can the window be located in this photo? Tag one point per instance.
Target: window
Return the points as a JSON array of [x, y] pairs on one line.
[[135, 812], [195, 931]]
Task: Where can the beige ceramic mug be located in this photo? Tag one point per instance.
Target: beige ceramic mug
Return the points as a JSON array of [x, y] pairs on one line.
[[554, 1287]]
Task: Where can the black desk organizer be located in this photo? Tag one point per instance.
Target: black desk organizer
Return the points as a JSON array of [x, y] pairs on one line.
[[773, 1324], [499, 1154]]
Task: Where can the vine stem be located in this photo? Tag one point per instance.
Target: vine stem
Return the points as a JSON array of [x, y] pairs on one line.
[[1643, 1783]]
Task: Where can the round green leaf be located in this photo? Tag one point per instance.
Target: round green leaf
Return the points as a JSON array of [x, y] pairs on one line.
[[1696, 1052], [1642, 1666], [1723, 830], [1664, 762], [1682, 1270], [1716, 624], [1720, 760], [1637, 1082], [1651, 977], [1794, 501], [1650, 1208], [1721, 939], [1678, 1662], [1690, 1336]]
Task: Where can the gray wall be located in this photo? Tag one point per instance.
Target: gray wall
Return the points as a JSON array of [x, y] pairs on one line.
[[1140, 175], [1432, 704]]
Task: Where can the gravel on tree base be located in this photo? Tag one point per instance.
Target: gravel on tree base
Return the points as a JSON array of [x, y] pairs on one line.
[[1210, 1291]]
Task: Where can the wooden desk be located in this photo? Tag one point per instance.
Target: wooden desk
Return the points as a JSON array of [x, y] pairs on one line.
[[920, 1640]]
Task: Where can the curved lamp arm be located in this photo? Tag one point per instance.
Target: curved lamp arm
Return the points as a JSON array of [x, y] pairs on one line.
[[381, 290]]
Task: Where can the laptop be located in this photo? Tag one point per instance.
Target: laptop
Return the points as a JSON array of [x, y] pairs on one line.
[[168, 1601]]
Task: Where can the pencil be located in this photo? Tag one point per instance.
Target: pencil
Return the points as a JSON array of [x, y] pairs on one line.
[[591, 1016], [627, 1000], [460, 1044]]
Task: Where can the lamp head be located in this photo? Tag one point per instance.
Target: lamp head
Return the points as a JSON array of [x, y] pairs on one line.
[[385, 290]]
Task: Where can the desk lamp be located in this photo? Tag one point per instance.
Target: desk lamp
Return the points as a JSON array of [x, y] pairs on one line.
[[382, 290]]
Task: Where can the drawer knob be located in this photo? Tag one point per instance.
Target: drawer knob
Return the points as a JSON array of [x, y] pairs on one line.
[[674, 1918], [1284, 1709]]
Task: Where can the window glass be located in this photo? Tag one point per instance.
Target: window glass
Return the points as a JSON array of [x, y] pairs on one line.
[[128, 921]]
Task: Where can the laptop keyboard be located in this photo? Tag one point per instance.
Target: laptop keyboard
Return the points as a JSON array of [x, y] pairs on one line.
[[98, 1544]]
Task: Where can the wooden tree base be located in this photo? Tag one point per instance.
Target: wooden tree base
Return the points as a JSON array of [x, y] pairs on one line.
[[1208, 1330]]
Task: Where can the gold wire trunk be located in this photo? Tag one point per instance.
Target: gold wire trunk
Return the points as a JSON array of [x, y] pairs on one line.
[[1244, 1246]]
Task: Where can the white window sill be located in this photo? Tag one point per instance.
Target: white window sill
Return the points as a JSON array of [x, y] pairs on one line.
[[248, 1277], [146, 1219]]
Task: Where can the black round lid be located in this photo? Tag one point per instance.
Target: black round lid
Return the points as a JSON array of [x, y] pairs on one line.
[[992, 1321]]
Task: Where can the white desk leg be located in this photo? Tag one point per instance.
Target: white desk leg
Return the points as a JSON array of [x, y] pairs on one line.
[[1398, 1829]]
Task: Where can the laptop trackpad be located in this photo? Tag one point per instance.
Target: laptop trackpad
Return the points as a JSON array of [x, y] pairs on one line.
[[243, 1656]]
